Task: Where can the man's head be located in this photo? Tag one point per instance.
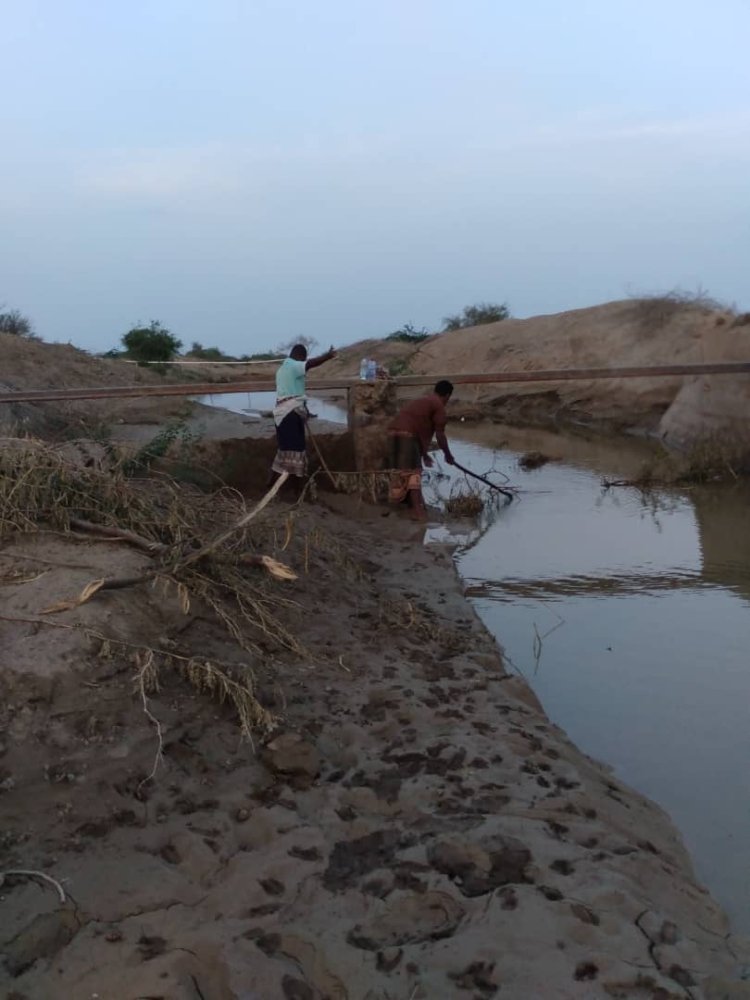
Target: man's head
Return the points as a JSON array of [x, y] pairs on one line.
[[444, 389], [298, 352]]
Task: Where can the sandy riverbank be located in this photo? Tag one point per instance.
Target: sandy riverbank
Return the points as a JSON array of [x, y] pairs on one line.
[[415, 827]]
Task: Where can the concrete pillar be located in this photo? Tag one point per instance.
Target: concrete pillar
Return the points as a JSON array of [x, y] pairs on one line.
[[371, 406]]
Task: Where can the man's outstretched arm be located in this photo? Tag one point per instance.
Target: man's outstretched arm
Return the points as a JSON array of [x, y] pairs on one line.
[[320, 360]]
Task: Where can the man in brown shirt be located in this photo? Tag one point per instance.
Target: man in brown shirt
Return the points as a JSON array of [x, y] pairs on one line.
[[410, 437]]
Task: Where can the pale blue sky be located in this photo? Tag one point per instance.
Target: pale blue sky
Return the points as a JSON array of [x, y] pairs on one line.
[[249, 171]]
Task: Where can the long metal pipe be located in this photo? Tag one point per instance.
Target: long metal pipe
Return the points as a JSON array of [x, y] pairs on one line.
[[321, 385]]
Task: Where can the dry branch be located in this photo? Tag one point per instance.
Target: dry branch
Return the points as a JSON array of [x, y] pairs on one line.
[[320, 457], [243, 521], [42, 490], [275, 568], [148, 675], [147, 544], [32, 873]]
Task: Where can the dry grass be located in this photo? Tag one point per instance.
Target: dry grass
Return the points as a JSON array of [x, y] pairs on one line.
[[402, 615], [465, 504], [470, 498], [41, 489], [209, 677], [372, 486], [714, 459], [654, 311]]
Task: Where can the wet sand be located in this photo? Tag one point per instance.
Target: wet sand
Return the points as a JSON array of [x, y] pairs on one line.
[[414, 828]]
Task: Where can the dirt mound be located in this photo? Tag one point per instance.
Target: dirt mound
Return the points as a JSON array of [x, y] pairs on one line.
[[34, 364]]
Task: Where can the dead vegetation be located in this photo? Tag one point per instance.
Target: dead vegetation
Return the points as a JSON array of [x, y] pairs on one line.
[[712, 460], [465, 502], [403, 615], [472, 494], [41, 489], [654, 311], [372, 486]]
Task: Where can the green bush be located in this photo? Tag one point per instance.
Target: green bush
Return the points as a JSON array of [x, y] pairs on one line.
[[399, 366], [484, 312], [176, 431], [150, 343], [15, 323], [408, 335]]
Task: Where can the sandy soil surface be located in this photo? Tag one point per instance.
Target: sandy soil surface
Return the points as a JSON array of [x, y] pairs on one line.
[[214, 423], [629, 332], [413, 826], [33, 364]]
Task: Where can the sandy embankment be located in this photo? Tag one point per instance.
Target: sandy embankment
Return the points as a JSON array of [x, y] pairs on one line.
[[633, 332], [416, 827]]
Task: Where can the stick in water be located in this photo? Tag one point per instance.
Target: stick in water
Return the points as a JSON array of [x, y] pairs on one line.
[[487, 482]]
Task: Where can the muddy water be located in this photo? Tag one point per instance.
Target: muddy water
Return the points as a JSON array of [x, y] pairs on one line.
[[258, 402], [630, 618]]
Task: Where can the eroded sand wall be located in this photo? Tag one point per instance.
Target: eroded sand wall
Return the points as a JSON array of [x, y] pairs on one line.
[[370, 409]]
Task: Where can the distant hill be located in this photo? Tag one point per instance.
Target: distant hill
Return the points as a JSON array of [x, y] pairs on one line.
[[28, 363]]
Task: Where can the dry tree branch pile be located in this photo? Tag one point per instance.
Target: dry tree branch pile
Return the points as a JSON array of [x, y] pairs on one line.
[[198, 545]]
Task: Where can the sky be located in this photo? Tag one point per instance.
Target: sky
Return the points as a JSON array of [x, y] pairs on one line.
[[249, 171]]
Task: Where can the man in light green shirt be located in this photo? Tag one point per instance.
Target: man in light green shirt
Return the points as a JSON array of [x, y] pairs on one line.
[[290, 412], [290, 378]]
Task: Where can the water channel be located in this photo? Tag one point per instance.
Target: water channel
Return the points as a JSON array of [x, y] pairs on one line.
[[629, 615]]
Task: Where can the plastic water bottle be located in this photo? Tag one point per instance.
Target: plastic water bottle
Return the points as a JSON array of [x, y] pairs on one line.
[[363, 369], [372, 370]]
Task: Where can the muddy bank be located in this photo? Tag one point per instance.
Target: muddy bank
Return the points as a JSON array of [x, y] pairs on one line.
[[216, 446], [413, 827], [210, 422]]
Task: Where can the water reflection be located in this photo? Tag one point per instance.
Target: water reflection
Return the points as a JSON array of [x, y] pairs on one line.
[[630, 617], [723, 518], [252, 403]]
